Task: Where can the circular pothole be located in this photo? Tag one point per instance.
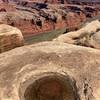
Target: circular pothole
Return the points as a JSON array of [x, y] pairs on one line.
[[50, 88]]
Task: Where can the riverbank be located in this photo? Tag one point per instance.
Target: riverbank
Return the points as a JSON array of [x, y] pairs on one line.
[[48, 36]]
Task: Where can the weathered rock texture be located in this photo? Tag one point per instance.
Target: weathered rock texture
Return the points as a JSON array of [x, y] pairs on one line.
[[7, 7], [50, 71], [88, 36], [88, 2], [32, 21], [10, 38], [34, 18]]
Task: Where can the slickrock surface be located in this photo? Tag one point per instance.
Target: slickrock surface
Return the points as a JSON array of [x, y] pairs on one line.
[[88, 36], [10, 37], [50, 71]]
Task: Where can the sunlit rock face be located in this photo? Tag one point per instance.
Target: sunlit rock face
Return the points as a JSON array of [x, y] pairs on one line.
[[50, 71], [88, 36], [10, 37]]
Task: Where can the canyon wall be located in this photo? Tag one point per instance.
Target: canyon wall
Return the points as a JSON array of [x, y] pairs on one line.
[[36, 18]]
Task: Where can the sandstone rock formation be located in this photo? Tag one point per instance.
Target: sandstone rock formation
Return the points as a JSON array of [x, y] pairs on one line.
[[50, 70], [37, 16], [88, 2], [23, 16], [4, 7], [89, 35], [10, 38]]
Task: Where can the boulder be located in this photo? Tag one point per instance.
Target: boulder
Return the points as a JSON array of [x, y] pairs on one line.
[[88, 36], [95, 40], [10, 37], [50, 71]]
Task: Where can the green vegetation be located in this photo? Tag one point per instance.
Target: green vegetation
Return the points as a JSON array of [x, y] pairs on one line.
[[48, 36]]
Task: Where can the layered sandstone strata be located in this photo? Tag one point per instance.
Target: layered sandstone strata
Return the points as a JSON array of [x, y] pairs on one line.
[[31, 21], [36, 18]]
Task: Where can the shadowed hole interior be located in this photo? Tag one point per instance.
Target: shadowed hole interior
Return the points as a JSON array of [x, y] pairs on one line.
[[50, 88]]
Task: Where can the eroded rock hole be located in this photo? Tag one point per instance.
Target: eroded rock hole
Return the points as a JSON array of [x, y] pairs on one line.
[[50, 88], [39, 23]]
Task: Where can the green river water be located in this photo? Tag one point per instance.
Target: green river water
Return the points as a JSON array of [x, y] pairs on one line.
[[48, 36]]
